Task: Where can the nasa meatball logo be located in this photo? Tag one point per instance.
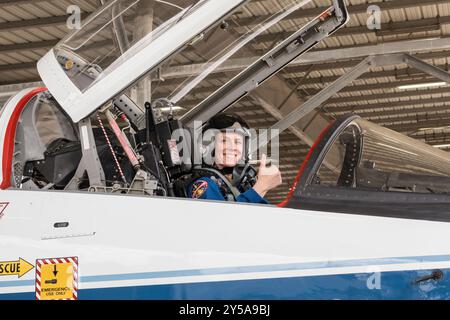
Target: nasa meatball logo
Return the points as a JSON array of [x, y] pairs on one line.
[[3, 206]]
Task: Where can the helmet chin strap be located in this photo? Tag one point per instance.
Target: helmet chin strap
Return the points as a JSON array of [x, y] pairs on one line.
[[232, 170], [227, 170], [223, 170]]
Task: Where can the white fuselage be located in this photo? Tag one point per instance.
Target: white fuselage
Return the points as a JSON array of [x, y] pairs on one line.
[[176, 241]]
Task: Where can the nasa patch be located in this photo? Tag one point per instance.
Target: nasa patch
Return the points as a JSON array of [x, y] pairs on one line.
[[199, 188]]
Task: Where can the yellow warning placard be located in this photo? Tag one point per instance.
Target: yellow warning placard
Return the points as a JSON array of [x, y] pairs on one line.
[[57, 279]]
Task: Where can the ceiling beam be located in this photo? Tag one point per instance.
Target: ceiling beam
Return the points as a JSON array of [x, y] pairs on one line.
[[393, 28], [385, 109], [351, 88], [28, 46], [304, 13], [388, 116], [344, 64], [5, 3], [14, 82], [401, 74], [321, 61], [404, 73], [290, 70], [364, 110], [353, 9], [434, 123], [11, 26], [398, 121], [433, 136], [384, 96], [421, 125], [319, 56], [18, 66], [9, 90]]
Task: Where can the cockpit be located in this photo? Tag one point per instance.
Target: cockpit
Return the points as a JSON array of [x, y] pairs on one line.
[[113, 119], [91, 131]]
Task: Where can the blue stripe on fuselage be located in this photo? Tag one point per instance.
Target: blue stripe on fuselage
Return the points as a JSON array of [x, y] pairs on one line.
[[246, 269], [393, 285]]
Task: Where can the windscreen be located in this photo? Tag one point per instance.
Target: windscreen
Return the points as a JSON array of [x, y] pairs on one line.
[[365, 156], [115, 33]]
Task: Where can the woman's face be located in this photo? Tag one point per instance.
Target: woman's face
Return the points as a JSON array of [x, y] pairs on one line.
[[229, 149]]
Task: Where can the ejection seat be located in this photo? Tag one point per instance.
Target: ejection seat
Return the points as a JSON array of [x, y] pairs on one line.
[[46, 144]]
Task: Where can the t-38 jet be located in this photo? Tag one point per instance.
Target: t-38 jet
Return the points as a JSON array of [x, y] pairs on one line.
[[93, 182]]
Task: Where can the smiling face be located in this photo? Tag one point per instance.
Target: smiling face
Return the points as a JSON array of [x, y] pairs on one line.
[[229, 149]]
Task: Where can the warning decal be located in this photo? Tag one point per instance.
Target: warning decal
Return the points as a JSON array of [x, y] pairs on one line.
[[3, 206], [57, 279]]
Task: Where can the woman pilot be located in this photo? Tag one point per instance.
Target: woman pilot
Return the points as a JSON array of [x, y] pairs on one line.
[[230, 131]]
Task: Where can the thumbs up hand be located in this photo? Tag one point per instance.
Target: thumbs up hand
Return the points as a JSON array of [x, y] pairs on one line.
[[268, 177]]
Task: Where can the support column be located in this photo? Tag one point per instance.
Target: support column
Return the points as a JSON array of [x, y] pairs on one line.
[[142, 92]]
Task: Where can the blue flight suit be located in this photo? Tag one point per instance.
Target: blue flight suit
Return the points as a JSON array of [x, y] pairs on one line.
[[208, 189]]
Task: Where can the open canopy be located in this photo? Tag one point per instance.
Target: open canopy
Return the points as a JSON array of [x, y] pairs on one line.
[[192, 40], [83, 82]]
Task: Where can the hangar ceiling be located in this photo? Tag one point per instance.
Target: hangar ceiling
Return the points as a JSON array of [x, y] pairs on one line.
[[29, 28]]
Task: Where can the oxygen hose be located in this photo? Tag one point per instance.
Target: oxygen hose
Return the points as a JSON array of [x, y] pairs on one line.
[[123, 140], [100, 122]]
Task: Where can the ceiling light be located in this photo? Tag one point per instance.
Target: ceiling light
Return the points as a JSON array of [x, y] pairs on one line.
[[442, 146], [422, 85], [167, 109], [407, 29]]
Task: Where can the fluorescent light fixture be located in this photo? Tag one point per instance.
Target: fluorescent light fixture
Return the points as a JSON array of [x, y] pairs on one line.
[[442, 146], [422, 85], [167, 109], [434, 128]]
